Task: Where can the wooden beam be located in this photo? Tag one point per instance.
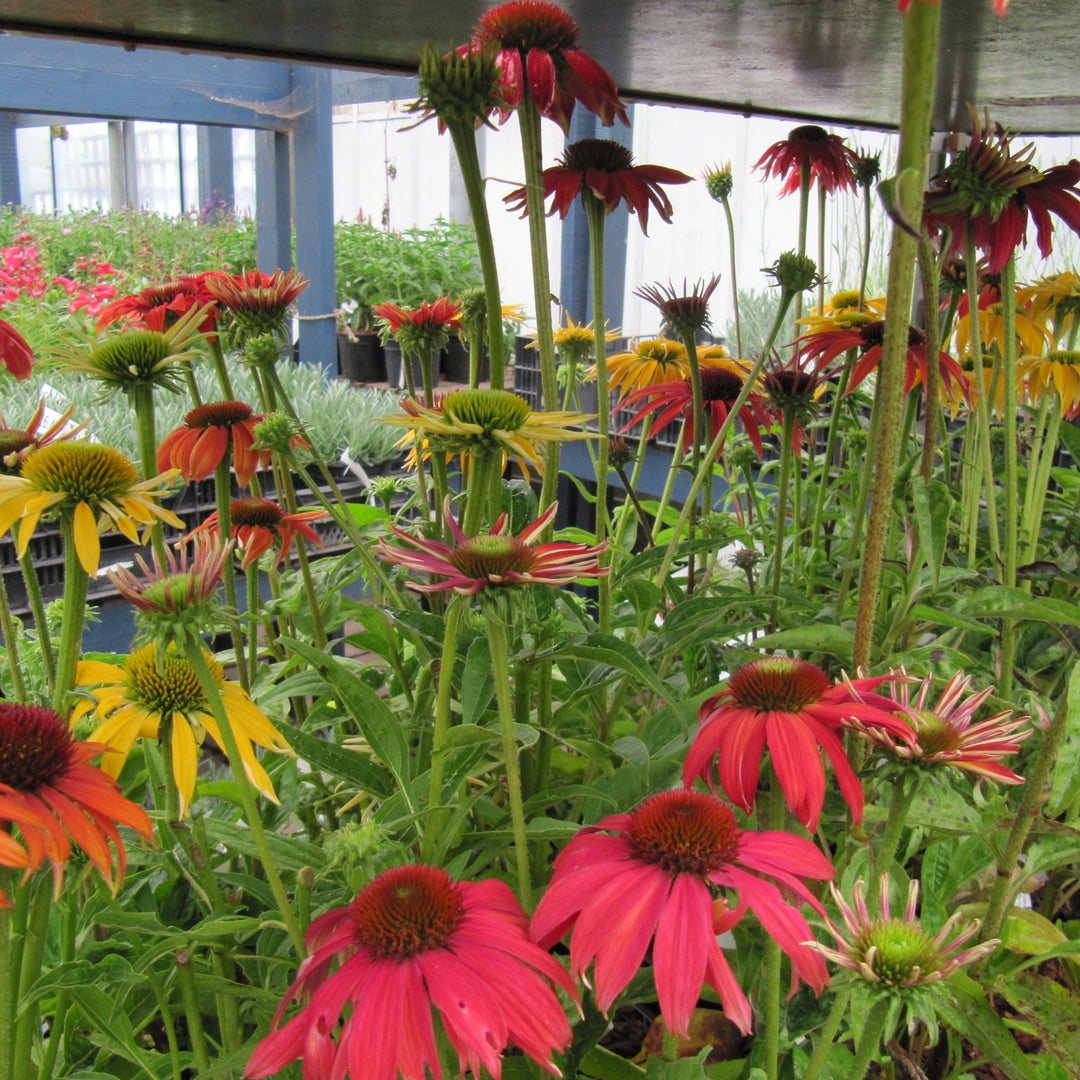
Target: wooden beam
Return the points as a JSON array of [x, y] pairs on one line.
[[41, 75]]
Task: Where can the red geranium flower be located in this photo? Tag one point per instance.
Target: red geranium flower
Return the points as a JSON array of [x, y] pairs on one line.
[[721, 384], [495, 559], [790, 708], [259, 525], [159, 306], [15, 354], [539, 41], [829, 159], [607, 170], [413, 945], [824, 346], [53, 795], [200, 444], [650, 877]]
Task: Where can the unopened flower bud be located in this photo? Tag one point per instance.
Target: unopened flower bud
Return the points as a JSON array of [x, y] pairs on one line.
[[794, 273], [719, 181]]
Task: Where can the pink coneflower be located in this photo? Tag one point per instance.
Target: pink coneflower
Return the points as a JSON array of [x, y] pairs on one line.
[[159, 306], [896, 953], [49, 789], [200, 444], [496, 559], [651, 876], [942, 732], [260, 525], [606, 169], [539, 41], [17, 443], [829, 159], [415, 945], [721, 385], [790, 708]]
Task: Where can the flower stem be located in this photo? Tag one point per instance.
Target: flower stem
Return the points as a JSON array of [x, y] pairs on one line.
[[186, 978], [223, 498], [786, 456], [41, 620], [773, 956], [594, 215], [500, 668], [33, 951], [221, 367], [825, 476], [443, 720], [804, 208], [212, 695], [921, 30], [63, 998], [822, 195], [464, 138], [8, 995], [11, 645], [930, 276], [828, 1035], [734, 281], [870, 1039], [1012, 510], [532, 152], [142, 400], [76, 581], [902, 794]]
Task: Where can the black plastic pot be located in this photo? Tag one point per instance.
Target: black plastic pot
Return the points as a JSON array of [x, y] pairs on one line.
[[360, 358], [394, 374], [455, 362]]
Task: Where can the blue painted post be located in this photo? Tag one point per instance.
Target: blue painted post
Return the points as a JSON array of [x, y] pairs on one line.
[[216, 183], [314, 215], [273, 221], [10, 190]]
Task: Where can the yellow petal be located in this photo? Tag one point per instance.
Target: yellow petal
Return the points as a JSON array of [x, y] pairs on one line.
[[87, 541], [185, 761], [26, 530]]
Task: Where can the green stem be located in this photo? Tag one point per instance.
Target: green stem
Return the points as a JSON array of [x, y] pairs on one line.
[[254, 608], [8, 992], [773, 956], [697, 425], [41, 619], [828, 1035], [921, 30], [669, 483], [443, 720], [531, 151], [1043, 455], [314, 606], [903, 792], [864, 270], [28, 1026], [631, 489], [822, 195], [223, 498], [500, 669], [734, 280], [1031, 804], [594, 215], [825, 478], [982, 401], [11, 644], [804, 209], [221, 368], [142, 400], [63, 998], [464, 138], [786, 456], [718, 441], [165, 1011], [870, 1040], [929, 275], [76, 582], [186, 978], [212, 695], [1012, 510]]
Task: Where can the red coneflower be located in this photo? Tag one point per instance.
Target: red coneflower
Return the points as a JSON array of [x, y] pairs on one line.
[[15, 354], [258, 525], [651, 876], [200, 444], [51, 793], [495, 559], [790, 708], [423, 330], [607, 170], [943, 734], [683, 312], [721, 384], [258, 302], [824, 346], [538, 41], [829, 159], [159, 306], [17, 443], [415, 945]]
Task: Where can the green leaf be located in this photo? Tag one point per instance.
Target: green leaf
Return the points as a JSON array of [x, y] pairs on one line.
[[605, 1065], [932, 504], [347, 765], [469, 735], [477, 681], [1000, 602], [1066, 782], [967, 1011], [818, 637], [1051, 1010], [631, 749], [377, 723], [363, 514]]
